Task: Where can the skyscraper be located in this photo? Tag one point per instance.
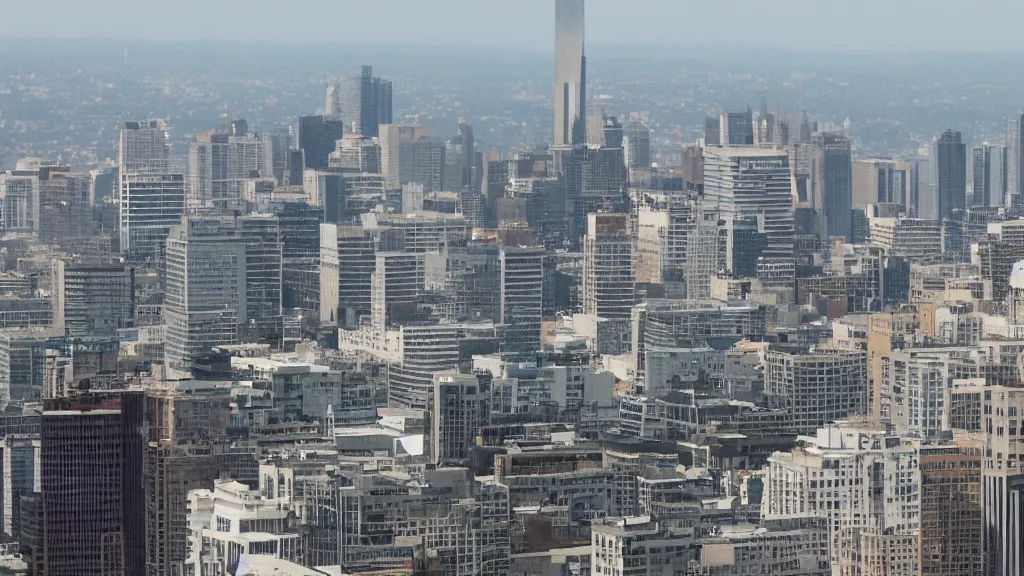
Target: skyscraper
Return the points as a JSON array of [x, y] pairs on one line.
[[152, 189], [219, 164], [93, 513], [92, 300], [737, 128], [609, 278], [1015, 155], [263, 270], [206, 288], [318, 137], [522, 291], [831, 184], [468, 153], [362, 102], [988, 175], [637, 145], [751, 186], [951, 173], [570, 73]]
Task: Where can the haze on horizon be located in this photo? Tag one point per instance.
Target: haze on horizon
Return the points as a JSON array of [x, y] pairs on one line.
[[815, 25]]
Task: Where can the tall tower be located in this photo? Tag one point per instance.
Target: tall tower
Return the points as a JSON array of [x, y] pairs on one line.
[[570, 73], [951, 173], [832, 185], [1014, 155], [93, 508], [362, 102], [151, 187], [206, 288]]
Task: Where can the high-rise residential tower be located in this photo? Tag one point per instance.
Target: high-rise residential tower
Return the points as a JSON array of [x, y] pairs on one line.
[[609, 279], [950, 173], [570, 73], [206, 288], [831, 184], [152, 189]]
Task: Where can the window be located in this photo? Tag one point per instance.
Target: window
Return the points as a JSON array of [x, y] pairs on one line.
[[223, 524]]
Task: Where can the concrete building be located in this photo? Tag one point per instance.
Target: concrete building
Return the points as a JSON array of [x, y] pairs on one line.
[[304, 391], [570, 94], [677, 323], [459, 411], [422, 350], [522, 296], [916, 240], [1014, 158], [92, 300], [220, 163], [638, 546], [62, 208], [421, 161], [186, 448], [753, 186], [913, 391], [20, 189], [991, 415], [206, 299], [609, 282], [681, 242], [232, 521], [93, 513], [357, 153], [813, 480], [818, 387], [951, 512], [21, 465], [791, 547], [391, 138], [881, 181]]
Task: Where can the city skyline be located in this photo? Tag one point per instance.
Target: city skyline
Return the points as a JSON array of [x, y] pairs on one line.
[[313, 312]]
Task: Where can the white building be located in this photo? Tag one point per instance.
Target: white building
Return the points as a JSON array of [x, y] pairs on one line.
[[638, 546], [859, 478], [231, 521], [303, 390]]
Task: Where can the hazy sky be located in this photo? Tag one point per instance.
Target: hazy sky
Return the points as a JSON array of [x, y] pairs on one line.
[[842, 25]]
